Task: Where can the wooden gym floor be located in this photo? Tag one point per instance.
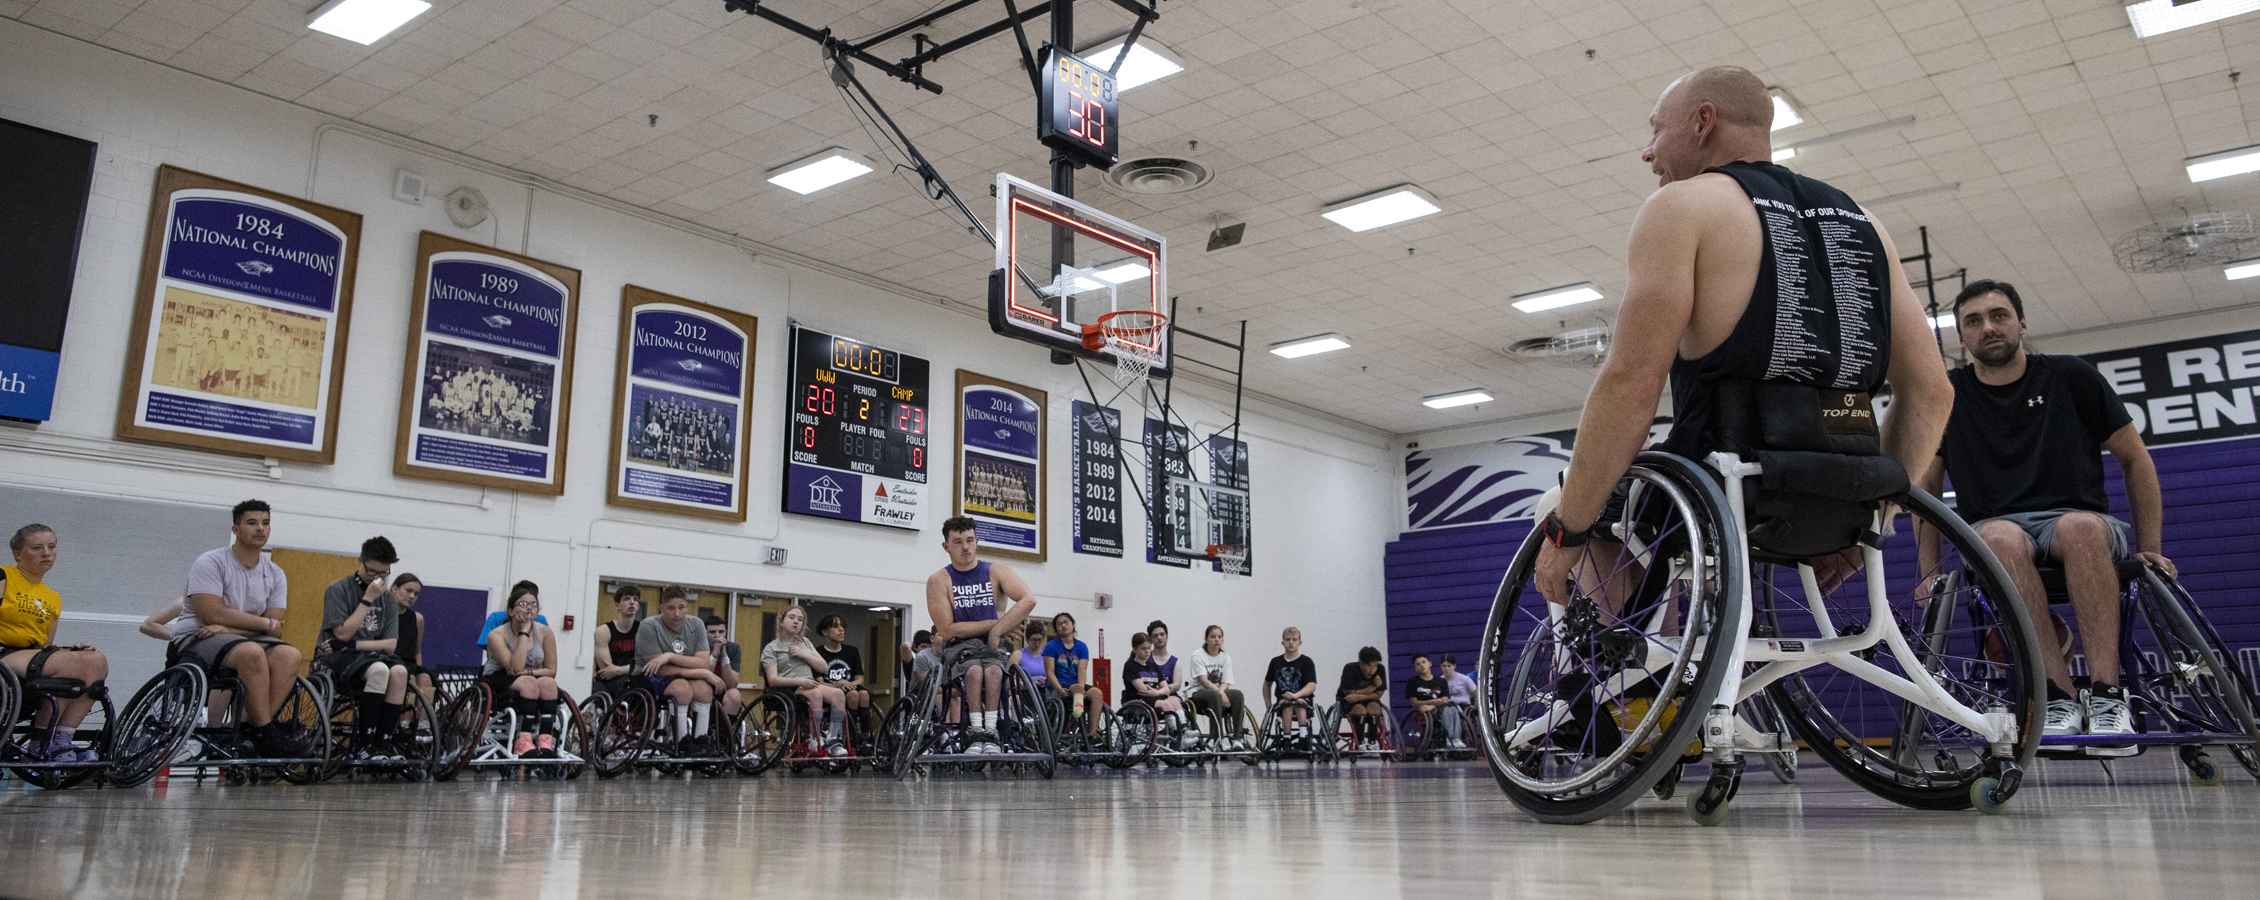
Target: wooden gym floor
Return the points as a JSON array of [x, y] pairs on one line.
[[1365, 832]]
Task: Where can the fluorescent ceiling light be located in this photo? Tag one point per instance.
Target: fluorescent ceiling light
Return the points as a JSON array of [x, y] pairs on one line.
[[2224, 163], [1784, 153], [1456, 398], [1126, 272], [1384, 207], [827, 167], [1317, 343], [1784, 113], [882, 609], [1148, 62], [365, 22], [1556, 298], [2249, 268], [1942, 320], [2160, 16]]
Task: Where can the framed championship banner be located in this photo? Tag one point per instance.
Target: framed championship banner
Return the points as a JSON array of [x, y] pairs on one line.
[[1000, 464], [1095, 498], [240, 320], [488, 380], [678, 406]]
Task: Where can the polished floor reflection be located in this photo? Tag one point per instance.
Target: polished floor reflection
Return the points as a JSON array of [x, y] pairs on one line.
[[1363, 832]]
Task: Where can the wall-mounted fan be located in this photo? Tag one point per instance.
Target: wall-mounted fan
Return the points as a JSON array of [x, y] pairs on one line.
[[2197, 241], [1577, 348]]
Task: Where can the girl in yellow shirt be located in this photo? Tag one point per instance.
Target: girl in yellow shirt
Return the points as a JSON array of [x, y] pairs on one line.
[[29, 609]]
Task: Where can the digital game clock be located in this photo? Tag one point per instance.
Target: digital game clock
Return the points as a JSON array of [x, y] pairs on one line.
[[1080, 111]]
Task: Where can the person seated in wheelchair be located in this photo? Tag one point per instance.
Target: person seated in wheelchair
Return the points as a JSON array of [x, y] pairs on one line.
[[1781, 370], [918, 658], [521, 669], [2024, 449], [616, 643], [1359, 695], [1027, 651], [671, 652], [1462, 691], [962, 599], [1068, 670], [1209, 684], [409, 646], [790, 662], [843, 668], [1290, 680], [727, 660], [233, 619], [30, 610], [360, 630], [1143, 680], [1429, 695]]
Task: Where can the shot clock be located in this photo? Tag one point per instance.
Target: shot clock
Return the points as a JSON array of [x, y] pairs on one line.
[[856, 436], [1079, 111]]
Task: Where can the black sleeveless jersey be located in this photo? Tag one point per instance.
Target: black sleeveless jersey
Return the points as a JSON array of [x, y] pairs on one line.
[[1819, 314]]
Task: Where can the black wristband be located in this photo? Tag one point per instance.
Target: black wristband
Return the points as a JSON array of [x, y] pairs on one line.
[[1558, 534]]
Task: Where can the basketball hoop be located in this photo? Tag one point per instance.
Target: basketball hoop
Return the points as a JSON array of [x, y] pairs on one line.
[[1134, 335], [1231, 560]]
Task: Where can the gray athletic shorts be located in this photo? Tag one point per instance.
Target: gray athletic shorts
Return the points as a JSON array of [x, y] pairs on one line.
[[213, 651], [2041, 527], [963, 653]]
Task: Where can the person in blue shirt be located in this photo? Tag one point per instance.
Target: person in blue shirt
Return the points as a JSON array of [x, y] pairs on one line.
[[1070, 661]]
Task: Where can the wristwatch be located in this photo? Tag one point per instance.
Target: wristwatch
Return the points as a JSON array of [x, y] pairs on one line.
[[1559, 535]]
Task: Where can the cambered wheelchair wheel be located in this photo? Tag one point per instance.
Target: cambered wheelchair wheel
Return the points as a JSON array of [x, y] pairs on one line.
[[2214, 695], [98, 720], [11, 704], [887, 742], [1134, 730], [618, 738], [161, 716], [1419, 736], [1583, 707], [1023, 707], [575, 738], [456, 729], [765, 727], [1973, 638], [304, 717]]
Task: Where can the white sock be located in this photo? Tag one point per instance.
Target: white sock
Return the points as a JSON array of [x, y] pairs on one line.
[[682, 722], [984, 721], [833, 723], [699, 713]]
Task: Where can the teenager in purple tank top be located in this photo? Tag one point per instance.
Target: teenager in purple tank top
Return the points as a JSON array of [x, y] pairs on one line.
[[962, 598]]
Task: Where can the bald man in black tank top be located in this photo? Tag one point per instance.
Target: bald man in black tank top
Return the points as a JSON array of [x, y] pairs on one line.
[[1722, 216]]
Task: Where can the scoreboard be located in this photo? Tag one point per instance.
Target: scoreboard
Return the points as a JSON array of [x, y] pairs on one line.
[[856, 435]]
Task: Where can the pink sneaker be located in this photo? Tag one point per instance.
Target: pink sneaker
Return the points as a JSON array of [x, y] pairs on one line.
[[524, 743]]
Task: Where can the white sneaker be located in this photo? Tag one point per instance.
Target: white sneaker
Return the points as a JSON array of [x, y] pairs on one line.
[[838, 751], [2106, 715], [2065, 717], [189, 750]]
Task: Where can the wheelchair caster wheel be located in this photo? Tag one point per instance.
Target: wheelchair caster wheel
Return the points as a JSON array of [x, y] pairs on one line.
[[1669, 784], [2202, 769], [1708, 806], [1986, 796]]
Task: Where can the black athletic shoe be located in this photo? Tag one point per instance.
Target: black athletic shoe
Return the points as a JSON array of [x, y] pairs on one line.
[[695, 747], [276, 743]]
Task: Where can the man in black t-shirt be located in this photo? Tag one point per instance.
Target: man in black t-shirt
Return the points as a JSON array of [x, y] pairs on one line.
[[1364, 686], [2024, 450], [1291, 676], [1428, 693]]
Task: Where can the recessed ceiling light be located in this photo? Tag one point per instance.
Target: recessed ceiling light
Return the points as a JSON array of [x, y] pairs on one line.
[[2224, 163], [1387, 206], [2249, 268], [1124, 273], [1784, 153], [2160, 16], [365, 22], [827, 167], [1456, 398], [1942, 320], [1784, 112], [1556, 298], [1149, 62], [1317, 343]]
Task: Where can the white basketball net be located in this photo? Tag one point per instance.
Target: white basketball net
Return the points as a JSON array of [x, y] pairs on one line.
[[1233, 563], [1132, 366]]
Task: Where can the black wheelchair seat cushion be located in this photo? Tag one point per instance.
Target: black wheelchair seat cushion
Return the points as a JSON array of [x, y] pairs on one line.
[[1823, 468]]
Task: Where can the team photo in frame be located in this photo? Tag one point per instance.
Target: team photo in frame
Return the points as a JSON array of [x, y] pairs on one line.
[[680, 396], [487, 381], [240, 320], [1001, 465]]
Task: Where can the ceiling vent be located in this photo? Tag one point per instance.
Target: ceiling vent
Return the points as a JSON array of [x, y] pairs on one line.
[[1159, 175], [1581, 348], [2197, 241]]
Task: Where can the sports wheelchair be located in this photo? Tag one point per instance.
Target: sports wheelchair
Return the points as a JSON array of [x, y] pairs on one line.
[[1177, 738], [408, 753], [628, 731], [1343, 731], [1109, 744], [21, 699], [471, 732], [1425, 735], [782, 726], [1276, 742], [191, 716], [930, 732], [2182, 682], [1928, 700]]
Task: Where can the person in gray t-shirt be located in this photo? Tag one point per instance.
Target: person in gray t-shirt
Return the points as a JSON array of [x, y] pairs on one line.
[[360, 629], [671, 650], [246, 595]]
